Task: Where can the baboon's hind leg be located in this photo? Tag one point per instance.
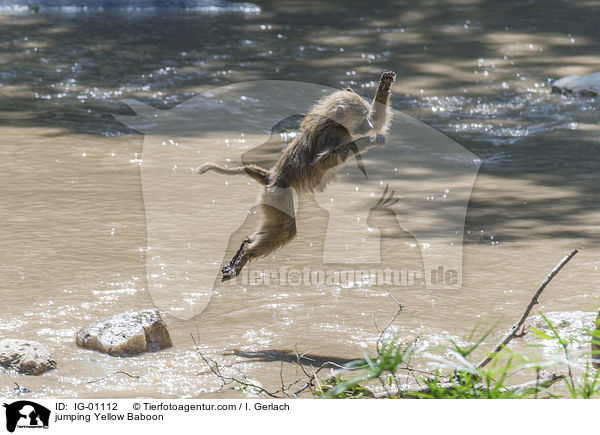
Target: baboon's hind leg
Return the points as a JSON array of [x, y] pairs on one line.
[[276, 228], [236, 264]]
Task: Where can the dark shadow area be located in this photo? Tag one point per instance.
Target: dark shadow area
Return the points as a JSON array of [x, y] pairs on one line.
[[289, 356]]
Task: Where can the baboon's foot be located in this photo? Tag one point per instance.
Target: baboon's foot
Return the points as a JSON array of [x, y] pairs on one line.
[[234, 267], [228, 273], [387, 78]]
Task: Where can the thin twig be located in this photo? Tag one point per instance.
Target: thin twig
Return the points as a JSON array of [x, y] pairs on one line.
[[18, 389], [313, 378], [283, 389], [112, 374], [513, 332], [389, 325], [227, 380]]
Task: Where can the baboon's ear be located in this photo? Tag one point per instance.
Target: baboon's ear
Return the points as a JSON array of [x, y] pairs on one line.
[[351, 90], [339, 110]]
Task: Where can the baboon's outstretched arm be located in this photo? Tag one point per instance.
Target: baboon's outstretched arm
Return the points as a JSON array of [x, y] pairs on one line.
[[379, 108], [359, 146]]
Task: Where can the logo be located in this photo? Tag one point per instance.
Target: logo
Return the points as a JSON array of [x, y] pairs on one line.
[[392, 217], [27, 415]]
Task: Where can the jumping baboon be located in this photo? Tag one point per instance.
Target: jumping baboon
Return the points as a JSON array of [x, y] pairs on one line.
[[337, 126]]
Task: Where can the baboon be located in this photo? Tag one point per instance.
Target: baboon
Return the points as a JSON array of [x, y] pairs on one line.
[[337, 126]]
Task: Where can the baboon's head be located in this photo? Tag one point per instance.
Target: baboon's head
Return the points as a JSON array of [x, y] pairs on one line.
[[348, 109]]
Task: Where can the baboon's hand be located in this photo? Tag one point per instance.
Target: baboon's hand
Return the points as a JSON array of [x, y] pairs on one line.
[[387, 78], [363, 142], [380, 139]]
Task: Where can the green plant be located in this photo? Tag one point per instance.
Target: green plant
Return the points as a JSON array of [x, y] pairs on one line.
[[455, 376]]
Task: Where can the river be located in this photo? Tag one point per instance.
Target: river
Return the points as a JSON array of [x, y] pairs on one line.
[[74, 224]]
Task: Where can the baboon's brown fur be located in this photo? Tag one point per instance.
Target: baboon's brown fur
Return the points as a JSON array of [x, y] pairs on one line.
[[337, 126]]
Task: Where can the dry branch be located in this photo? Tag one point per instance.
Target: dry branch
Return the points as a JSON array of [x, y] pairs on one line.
[[529, 386], [513, 332], [120, 372]]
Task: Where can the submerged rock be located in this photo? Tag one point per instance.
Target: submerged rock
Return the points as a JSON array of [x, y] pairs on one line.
[[568, 323], [575, 328], [126, 334], [583, 85], [28, 357]]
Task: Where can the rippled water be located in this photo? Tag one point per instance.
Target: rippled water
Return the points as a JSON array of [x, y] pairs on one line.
[[74, 225], [77, 6]]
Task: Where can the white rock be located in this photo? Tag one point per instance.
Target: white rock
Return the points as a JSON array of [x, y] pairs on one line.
[[28, 357], [126, 334], [583, 85]]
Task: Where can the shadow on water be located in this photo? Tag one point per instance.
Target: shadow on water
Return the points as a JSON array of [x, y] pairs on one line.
[[289, 356]]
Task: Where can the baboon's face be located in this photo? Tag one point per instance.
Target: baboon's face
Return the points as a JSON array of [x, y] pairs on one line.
[[350, 110], [356, 120]]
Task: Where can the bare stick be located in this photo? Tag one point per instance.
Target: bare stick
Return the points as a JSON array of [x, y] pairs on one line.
[[226, 380], [541, 383], [513, 332], [112, 374], [383, 331]]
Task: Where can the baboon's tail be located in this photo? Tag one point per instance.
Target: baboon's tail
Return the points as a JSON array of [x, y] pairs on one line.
[[259, 174]]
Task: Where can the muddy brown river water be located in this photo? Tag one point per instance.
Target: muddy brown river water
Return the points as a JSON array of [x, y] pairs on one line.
[[74, 225]]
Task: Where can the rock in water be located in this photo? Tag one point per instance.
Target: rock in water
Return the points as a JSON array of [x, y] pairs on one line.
[[583, 85], [126, 334], [28, 357]]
